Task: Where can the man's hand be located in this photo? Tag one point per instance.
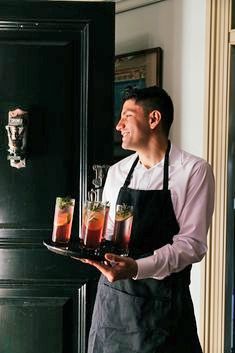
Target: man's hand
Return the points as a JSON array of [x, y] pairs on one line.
[[115, 267]]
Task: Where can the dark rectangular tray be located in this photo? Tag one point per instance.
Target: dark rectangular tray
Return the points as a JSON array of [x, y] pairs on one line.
[[77, 250]]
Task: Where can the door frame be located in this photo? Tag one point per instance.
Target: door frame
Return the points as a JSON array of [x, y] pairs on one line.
[[213, 322]]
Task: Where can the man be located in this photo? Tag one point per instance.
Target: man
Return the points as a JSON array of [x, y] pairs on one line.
[[144, 305]]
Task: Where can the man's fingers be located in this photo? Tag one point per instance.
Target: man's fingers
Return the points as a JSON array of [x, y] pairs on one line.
[[115, 267], [113, 258], [78, 259], [99, 265]]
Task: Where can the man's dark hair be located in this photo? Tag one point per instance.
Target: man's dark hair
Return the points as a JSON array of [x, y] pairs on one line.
[[153, 98]]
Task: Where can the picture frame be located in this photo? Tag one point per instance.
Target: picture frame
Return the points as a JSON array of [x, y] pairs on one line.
[[137, 69]]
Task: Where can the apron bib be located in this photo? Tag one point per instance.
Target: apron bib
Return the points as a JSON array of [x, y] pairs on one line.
[[149, 315]]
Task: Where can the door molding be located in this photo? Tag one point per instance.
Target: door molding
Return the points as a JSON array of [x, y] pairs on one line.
[[126, 5], [216, 144]]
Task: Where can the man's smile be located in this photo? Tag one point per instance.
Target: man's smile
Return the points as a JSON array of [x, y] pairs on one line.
[[125, 133]]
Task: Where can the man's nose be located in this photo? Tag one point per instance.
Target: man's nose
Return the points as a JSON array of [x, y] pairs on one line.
[[120, 124]]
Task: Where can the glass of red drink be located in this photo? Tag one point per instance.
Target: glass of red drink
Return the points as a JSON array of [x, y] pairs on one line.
[[107, 208], [63, 219], [93, 223], [123, 225]]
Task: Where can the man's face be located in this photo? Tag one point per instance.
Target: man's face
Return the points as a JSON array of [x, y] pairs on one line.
[[133, 126]]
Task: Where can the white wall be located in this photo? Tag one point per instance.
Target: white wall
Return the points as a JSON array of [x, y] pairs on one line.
[[178, 27]]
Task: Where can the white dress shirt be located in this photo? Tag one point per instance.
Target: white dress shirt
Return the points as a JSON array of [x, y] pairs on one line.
[[191, 183]]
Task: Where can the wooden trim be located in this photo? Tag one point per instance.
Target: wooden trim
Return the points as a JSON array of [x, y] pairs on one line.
[[213, 324], [232, 37], [81, 317], [126, 5], [84, 99]]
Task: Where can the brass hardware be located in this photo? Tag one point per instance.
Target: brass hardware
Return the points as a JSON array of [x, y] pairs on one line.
[[17, 136]]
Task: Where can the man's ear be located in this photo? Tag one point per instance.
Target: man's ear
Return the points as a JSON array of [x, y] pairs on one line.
[[154, 119]]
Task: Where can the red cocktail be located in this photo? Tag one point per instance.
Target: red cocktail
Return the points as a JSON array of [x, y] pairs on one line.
[[93, 223], [63, 220], [123, 225]]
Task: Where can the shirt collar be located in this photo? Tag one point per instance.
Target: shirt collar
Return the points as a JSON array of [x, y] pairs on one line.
[[174, 158]]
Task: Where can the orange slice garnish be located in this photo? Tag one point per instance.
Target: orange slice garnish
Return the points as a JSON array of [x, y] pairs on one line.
[[62, 219]]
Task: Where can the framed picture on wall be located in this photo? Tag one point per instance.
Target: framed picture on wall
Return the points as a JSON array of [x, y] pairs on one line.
[[136, 69]]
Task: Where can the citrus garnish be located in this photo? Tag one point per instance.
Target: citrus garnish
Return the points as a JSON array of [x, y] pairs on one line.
[[62, 219]]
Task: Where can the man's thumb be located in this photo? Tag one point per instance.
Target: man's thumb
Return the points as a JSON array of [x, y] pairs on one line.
[[112, 257]]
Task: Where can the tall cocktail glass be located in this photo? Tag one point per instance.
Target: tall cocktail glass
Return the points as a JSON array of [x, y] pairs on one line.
[[63, 219], [107, 208], [122, 226], [93, 223]]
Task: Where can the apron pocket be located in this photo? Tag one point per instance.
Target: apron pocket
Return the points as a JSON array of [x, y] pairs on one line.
[[122, 311]]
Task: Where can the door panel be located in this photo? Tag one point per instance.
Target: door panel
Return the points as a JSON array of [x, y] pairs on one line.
[[49, 319], [42, 82], [54, 64]]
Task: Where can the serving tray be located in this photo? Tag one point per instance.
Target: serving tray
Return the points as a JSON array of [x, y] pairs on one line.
[[77, 250]]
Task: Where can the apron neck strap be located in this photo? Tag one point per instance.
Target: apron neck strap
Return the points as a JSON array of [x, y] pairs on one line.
[[165, 173], [128, 178], [166, 165]]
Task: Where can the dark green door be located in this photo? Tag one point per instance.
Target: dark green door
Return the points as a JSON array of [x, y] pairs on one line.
[[56, 62]]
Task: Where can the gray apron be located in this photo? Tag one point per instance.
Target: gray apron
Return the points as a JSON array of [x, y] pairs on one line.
[[148, 315]]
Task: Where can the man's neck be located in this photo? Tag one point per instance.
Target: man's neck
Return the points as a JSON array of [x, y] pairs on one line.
[[153, 154]]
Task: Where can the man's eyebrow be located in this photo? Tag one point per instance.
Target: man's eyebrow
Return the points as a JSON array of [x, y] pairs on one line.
[[128, 110]]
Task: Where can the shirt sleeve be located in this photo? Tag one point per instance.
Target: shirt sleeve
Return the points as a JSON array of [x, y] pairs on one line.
[[190, 244]]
